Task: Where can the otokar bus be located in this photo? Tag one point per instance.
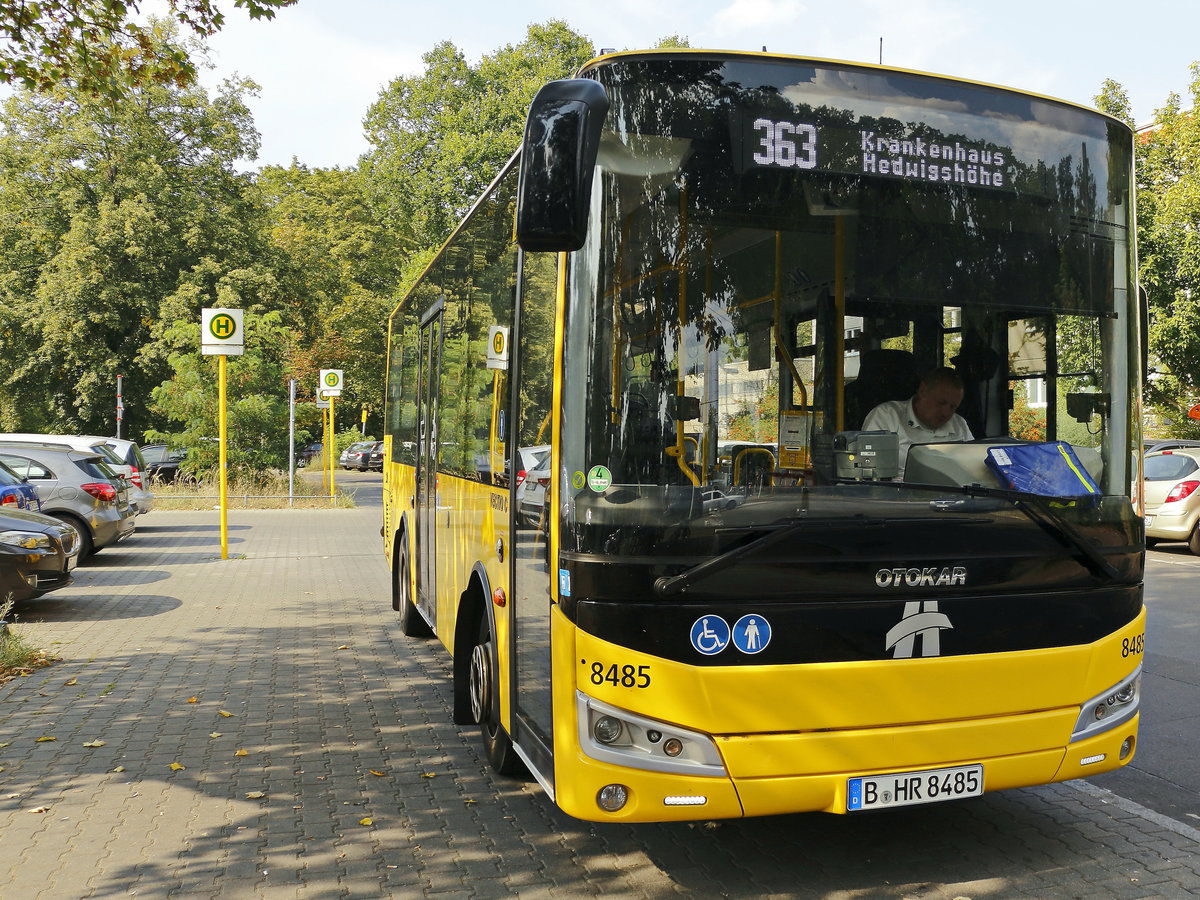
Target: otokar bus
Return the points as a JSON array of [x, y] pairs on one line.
[[722, 596]]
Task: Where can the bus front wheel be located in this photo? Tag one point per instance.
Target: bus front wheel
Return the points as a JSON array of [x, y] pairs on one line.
[[485, 704], [411, 622]]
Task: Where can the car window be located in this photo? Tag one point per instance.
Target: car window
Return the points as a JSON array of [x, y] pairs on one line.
[[1169, 467], [26, 468], [8, 478], [95, 467]]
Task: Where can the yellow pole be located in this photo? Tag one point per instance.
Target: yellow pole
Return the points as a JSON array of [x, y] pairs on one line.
[[333, 436], [327, 454], [221, 430]]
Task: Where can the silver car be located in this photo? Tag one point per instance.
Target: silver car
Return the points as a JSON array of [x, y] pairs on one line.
[[122, 456], [77, 487]]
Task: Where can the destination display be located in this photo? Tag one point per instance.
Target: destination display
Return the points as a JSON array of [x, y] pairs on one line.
[[902, 153]]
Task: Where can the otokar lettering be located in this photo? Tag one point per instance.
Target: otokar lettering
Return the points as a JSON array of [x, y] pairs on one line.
[[917, 159], [947, 576]]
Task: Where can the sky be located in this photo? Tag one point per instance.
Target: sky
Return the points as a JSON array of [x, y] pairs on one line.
[[321, 63]]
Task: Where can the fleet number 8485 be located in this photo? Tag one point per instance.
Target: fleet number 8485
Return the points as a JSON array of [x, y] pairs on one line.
[[1133, 646], [621, 676]]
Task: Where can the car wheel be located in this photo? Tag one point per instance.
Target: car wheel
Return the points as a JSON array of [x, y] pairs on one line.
[[87, 546], [1194, 540], [411, 621], [485, 704]]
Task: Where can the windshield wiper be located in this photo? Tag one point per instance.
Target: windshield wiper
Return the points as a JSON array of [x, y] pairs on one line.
[[1031, 506], [668, 586]]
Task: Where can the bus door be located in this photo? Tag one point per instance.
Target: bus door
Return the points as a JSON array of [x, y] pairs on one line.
[[534, 514], [427, 446]]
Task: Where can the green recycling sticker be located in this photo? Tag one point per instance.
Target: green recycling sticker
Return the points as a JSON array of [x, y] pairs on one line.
[[599, 478]]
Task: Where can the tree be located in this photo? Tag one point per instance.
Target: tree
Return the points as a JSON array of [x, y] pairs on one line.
[[116, 221], [440, 137], [95, 46], [1168, 185]]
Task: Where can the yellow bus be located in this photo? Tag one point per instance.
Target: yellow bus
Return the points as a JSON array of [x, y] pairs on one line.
[[723, 596]]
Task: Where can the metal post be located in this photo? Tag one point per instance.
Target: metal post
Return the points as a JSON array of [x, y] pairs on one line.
[[221, 429], [333, 435], [120, 405], [291, 440]]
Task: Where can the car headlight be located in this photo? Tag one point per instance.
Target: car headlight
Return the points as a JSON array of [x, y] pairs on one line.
[[25, 540]]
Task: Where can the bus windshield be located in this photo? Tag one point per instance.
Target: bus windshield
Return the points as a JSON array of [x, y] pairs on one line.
[[777, 247]]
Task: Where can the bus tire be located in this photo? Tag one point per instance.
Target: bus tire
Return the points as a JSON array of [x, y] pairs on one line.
[[485, 704], [412, 623]]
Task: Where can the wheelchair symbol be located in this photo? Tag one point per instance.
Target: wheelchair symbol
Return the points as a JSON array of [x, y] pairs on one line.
[[710, 635]]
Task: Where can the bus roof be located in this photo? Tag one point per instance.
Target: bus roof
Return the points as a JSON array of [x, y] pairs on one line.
[[604, 58]]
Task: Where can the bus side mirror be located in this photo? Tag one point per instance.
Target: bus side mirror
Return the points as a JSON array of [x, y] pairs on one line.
[[558, 157]]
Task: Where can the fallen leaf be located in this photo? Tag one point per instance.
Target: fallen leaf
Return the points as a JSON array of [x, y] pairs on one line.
[[241, 753], [344, 647], [376, 772], [255, 795], [429, 774], [469, 801], [73, 681], [177, 767], [193, 699], [214, 734], [38, 809], [367, 821], [119, 769], [226, 713], [5, 743], [44, 739], [93, 743]]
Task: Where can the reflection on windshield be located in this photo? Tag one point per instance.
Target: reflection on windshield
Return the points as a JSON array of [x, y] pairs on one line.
[[772, 258]]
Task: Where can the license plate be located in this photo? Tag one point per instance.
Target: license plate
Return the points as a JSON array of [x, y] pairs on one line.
[[1149, 521], [911, 788]]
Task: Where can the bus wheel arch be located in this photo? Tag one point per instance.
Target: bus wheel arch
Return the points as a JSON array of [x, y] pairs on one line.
[[412, 623], [476, 679]]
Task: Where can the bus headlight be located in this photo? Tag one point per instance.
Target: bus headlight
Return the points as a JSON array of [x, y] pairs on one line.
[[624, 738], [1115, 706], [607, 729]]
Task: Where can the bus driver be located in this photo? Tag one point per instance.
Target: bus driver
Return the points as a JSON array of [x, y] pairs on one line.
[[927, 417]]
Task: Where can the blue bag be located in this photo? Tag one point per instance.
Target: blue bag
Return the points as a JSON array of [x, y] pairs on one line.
[[1050, 469]]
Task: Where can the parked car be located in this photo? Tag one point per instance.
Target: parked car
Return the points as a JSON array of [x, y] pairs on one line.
[[714, 499], [162, 463], [309, 453], [37, 553], [375, 461], [76, 487], [122, 456], [357, 455], [16, 492], [533, 477], [1172, 492]]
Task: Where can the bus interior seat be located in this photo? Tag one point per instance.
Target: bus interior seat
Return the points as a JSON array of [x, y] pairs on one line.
[[882, 375], [976, 364]]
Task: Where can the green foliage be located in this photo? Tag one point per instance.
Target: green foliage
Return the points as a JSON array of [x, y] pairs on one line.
[[93, 44], [114, 222], [440, 137], [1168, 183]]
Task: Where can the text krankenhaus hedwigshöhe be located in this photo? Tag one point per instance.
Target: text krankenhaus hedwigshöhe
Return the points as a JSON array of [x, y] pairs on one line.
[[917, 159]]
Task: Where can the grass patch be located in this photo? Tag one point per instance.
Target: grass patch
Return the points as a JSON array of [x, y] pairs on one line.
[[18, 657], [259, 490]]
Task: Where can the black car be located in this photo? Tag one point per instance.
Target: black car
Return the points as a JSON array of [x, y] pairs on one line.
[[37, 554], [309, 453], [375, 460], [163, 462]]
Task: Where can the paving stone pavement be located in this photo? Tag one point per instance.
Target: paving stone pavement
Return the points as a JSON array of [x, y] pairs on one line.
[[264, 707]]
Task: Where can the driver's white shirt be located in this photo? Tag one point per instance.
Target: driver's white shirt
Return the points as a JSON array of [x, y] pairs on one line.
[[898, 417]]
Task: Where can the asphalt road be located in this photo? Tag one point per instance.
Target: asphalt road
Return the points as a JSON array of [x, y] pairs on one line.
[[1165, 773]]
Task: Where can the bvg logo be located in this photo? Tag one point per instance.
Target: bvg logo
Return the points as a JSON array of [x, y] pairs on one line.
[[921, 620]]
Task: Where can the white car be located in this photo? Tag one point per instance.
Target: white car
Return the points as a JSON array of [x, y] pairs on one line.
[[533, 476]]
